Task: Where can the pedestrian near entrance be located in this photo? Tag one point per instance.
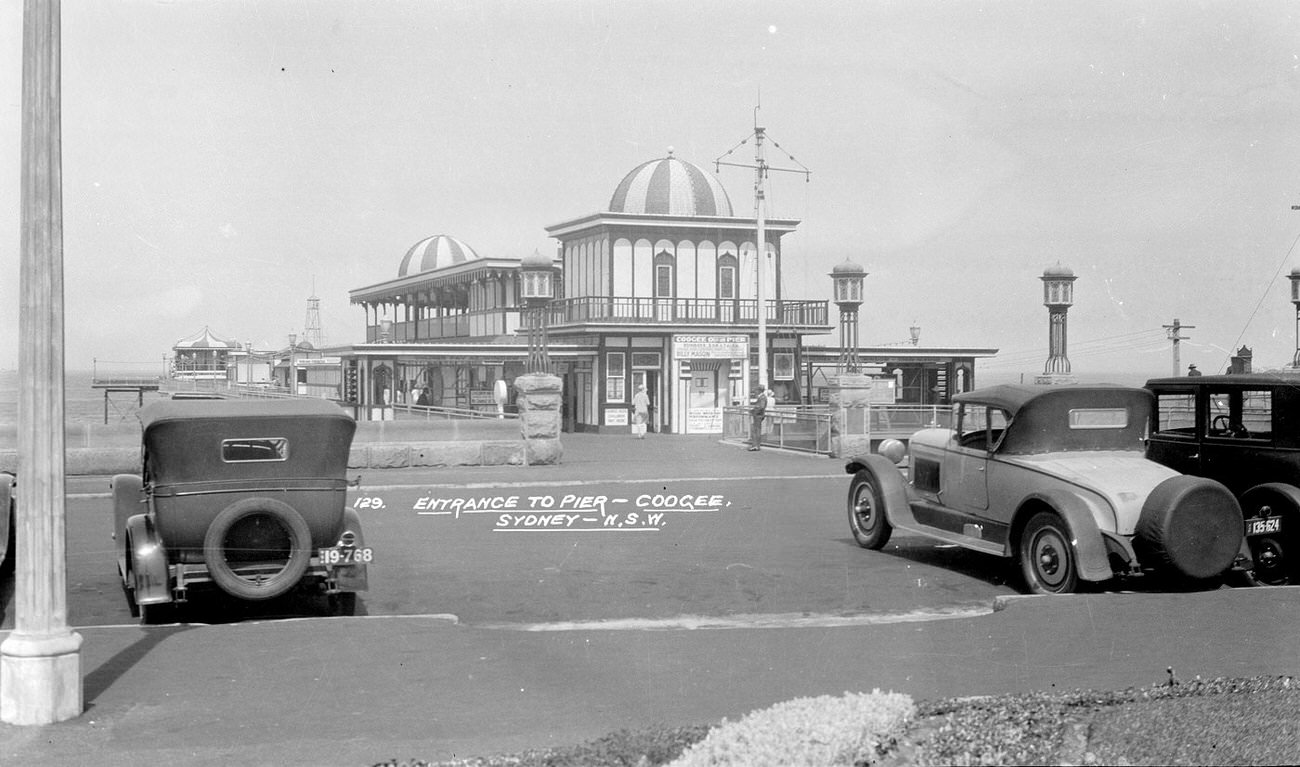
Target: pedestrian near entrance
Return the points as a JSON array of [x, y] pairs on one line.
[[756, 415], [640, 412]]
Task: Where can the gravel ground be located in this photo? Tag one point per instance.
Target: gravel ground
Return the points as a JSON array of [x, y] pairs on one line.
[[1219, 721]]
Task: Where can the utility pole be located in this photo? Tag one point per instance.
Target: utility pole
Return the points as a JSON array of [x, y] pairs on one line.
[[1174, 333], [761, 169]]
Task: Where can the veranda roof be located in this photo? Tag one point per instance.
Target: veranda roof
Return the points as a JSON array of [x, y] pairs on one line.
[[205, 339]]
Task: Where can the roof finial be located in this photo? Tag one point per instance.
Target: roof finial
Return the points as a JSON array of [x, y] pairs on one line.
[[670, 151]]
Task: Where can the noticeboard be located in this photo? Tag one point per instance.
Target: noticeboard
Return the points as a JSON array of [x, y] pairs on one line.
[[710, 347]]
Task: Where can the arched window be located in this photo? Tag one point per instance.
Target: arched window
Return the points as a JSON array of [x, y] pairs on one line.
[[727, 275], [664, 263]]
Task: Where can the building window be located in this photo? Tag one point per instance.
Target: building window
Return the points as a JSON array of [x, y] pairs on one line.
[[663, 281], [615, 377], [726, 276], [664, 274]]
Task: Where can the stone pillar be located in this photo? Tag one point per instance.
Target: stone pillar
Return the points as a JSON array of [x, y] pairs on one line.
[[40, 661], [539, 404], [850, 398]]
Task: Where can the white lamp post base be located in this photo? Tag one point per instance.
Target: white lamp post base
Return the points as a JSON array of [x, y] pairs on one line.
[[40, 678]]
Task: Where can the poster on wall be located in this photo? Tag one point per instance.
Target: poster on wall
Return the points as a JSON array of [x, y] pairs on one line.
[[783, 366], [615, 417], [704, 420]]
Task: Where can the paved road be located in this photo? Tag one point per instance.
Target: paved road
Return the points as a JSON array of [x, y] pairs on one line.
[[509, 549], [362, 690]]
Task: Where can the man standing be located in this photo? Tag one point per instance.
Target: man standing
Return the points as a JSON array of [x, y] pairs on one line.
[[640, 412], [756, 415]]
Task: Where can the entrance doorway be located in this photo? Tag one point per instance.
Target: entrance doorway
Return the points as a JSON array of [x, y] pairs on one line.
[[708, 394], [650, 379]]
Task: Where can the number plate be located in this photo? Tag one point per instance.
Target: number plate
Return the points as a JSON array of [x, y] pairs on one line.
[[1263, 525], [342, 556]]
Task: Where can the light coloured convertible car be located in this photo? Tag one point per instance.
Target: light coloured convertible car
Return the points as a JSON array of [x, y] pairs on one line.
[[1054, 477]]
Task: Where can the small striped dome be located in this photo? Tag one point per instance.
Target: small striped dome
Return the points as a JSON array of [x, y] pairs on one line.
[[436, 252], [670, 187]]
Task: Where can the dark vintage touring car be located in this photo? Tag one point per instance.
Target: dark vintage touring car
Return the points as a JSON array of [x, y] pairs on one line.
[[1055, 478], [1244, 431], [245, 496]]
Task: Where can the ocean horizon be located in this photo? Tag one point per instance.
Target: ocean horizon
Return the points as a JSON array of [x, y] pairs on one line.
[[83, 404]]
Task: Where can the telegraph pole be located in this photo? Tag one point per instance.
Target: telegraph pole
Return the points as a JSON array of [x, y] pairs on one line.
[[761, 169], [1174, 334]]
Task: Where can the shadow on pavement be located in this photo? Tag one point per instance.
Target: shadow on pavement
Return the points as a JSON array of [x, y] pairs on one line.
[[108, 672]]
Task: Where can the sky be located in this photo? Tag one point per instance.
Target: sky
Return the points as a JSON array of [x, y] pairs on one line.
[[223, 160]]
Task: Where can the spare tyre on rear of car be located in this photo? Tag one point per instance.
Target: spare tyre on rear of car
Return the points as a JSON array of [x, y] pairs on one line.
[[257, 548], [1190, 527]]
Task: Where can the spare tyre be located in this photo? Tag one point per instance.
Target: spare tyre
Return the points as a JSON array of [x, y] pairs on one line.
[[1190, 526], [257, 548]]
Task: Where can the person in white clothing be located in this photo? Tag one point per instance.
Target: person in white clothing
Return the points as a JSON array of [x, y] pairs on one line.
[[640, 412]]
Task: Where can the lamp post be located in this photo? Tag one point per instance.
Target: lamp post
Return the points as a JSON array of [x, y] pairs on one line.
[[914, 333], [537, 278], [40, 659], [1294, 276], [293, 364], [847, 278], [1058, 297]]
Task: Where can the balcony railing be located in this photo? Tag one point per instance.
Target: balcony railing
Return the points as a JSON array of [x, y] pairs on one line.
[[709, 311], [576, 311]]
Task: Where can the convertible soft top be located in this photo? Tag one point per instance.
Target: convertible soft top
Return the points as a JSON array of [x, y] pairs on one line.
[[1040, 416], [1012, 397], [165, 411]]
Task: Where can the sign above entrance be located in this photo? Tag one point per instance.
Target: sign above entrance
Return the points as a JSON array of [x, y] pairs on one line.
[[711, 347]]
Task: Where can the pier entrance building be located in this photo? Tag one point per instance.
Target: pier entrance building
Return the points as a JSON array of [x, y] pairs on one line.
[[657, 289]]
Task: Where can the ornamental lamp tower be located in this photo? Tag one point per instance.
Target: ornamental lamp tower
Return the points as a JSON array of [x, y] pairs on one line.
[[537, 287], [1294, 276], [1058, 296], [847, 278]]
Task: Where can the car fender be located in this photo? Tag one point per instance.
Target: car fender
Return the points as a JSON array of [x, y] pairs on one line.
[[7, 515], [148, 562], [892, 484], [353, 577], [1086, 537], [127, 503]]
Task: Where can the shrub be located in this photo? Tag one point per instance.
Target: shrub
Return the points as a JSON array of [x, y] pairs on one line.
[[856, 728]]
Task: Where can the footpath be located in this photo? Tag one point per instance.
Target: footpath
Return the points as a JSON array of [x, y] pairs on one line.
[[365, 690]]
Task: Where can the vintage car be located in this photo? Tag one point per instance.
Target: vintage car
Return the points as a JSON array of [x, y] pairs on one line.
[[247, 496], [1055, 478], [1244, 431]]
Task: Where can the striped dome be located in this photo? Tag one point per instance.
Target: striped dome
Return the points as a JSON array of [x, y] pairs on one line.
[[435, 252], [670, 187]]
